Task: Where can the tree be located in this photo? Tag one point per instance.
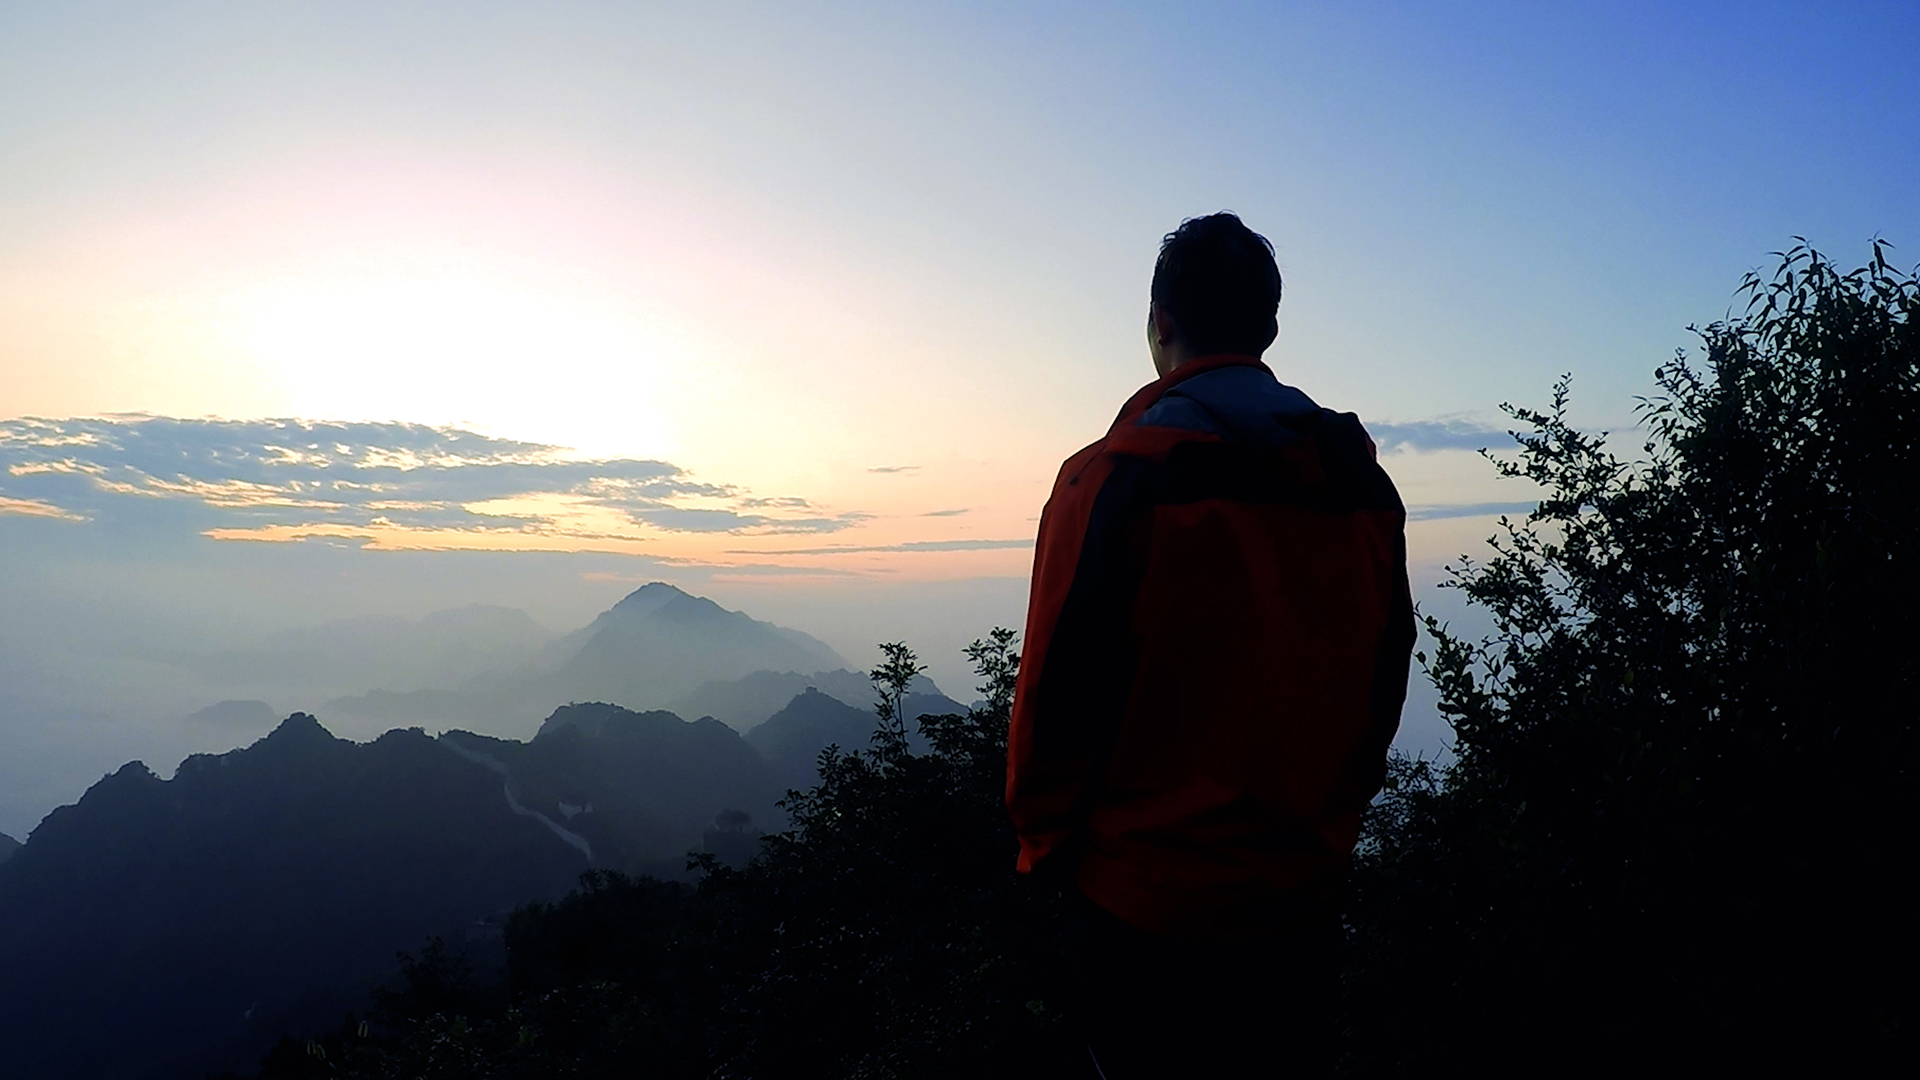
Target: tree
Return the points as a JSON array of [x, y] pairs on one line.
[[887, 933], [1681, 790]]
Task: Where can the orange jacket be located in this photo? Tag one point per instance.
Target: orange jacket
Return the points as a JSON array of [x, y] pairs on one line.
[[1216, 654]]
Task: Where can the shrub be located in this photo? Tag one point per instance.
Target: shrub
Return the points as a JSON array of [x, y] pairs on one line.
[[1678, 806]]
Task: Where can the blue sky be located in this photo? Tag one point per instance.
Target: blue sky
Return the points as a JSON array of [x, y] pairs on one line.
[[705, 277]]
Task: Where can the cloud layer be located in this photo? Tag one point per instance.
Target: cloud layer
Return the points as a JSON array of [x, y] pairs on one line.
[[399, 485], [286, 479], [1453, 434]]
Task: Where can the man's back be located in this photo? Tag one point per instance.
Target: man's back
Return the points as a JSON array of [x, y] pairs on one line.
[[1216, 654]]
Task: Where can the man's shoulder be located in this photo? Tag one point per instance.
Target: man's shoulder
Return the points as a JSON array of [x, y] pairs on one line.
[[1247, 405], [1239, 404], [1239, 409], [1263, 432]]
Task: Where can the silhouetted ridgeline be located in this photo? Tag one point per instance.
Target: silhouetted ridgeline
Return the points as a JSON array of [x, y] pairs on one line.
[[156, 927], [638, 788], [743, 703], [268, 889]]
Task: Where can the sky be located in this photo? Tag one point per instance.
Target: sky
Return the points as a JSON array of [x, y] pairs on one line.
[[314, 311]]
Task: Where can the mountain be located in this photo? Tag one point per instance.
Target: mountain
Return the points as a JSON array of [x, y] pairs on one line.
[[791, 739], [660, 643], [652, 650], [8, 845], [640, 789], [747, 701], [163, 928], [168, 928]]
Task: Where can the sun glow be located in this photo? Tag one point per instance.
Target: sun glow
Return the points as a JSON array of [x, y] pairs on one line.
[[469, 351]]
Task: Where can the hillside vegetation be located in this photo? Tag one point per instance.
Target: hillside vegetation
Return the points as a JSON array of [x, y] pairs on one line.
[[1683, 788]]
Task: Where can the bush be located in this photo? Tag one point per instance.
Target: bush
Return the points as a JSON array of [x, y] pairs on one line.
[[887, 933], [1679, 802]]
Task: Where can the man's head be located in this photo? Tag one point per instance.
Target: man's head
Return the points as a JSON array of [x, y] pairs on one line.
[[1216, 289]]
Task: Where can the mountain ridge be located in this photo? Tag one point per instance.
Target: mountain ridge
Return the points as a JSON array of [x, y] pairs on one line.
[[247, 882], [652, 648], [267, 888]]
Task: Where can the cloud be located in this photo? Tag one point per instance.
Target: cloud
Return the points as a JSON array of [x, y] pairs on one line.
[[1435, 513], [1451, 434], [285, 479], [36, 508], [946, 513], [912, 545], [894, 469]]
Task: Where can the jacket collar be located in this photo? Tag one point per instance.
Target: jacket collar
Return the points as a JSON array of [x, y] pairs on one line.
[[1143, 399]]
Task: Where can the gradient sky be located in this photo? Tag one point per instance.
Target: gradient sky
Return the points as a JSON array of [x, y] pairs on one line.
[[802, 304]]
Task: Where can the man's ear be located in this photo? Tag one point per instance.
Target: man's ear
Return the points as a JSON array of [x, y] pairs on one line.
[[1165, 330]]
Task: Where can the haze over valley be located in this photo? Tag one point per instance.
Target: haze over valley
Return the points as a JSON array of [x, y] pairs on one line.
[[267, 888]]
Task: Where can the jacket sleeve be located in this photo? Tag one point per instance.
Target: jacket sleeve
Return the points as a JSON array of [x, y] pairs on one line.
[[1394, 655], [1074, 673], [1391, 668]]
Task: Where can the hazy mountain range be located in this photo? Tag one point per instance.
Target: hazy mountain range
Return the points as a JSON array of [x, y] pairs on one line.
[[168, 927], [655, 647]]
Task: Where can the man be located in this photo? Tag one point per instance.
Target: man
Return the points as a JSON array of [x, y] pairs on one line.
[[1216, 657]]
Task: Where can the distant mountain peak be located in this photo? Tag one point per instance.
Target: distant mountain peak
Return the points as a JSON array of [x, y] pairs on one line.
[[299, 728], [684, 607], [134, 772], [649, 598], [660, 602], [594, 718]]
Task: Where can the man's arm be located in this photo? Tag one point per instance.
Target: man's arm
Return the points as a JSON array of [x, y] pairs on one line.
[[1077, 665], [1391, 668]]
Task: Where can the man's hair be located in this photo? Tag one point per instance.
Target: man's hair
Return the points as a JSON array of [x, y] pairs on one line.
[[1218, 280]]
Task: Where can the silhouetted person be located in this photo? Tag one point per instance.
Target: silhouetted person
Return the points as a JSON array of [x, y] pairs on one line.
[[1216, 657]]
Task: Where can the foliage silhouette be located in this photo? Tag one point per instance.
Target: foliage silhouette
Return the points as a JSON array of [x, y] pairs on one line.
[[1683, 755]]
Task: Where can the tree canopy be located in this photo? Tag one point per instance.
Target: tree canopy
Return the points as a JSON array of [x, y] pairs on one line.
[[1679, 800]]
